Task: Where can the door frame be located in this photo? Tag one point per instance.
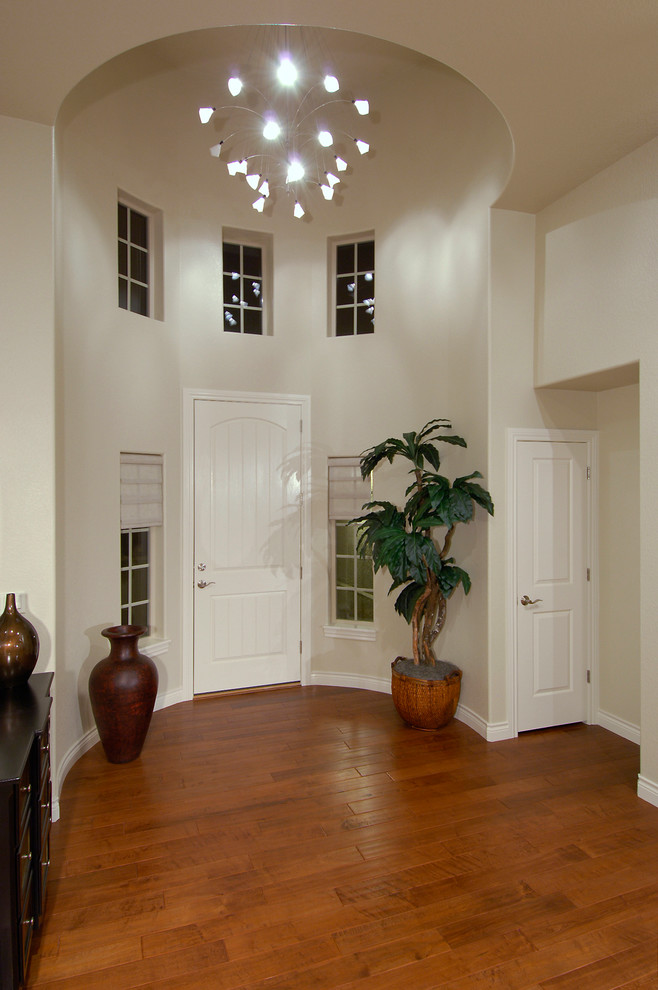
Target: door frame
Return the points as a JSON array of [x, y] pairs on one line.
[[190, 396], [515, 437]]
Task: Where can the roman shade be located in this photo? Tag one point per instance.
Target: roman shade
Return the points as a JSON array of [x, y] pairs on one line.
[[347, 489], [141, 490]]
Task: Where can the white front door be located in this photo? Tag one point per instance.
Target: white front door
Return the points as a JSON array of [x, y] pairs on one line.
[[247, 544], [552, 601]]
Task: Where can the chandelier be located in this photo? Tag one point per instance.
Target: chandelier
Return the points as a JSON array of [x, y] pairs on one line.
[[290, 132]]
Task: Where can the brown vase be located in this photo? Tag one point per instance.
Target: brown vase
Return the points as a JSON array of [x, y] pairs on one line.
[[122, 689], [19, 646]]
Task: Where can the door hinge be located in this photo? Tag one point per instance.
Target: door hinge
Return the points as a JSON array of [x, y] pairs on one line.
[[589, 676], [588, 574], [589, 473], [300, 646]]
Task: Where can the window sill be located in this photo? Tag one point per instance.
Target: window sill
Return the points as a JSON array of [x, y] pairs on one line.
[[152, 646], [350, 632]]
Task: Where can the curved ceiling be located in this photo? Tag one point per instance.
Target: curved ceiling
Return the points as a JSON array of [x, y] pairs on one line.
[[576, 82]]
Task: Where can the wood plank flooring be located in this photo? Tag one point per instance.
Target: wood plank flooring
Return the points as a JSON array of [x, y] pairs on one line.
[[306, 839]]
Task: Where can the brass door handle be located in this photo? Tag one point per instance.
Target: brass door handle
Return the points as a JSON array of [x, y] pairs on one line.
[[530, 601]]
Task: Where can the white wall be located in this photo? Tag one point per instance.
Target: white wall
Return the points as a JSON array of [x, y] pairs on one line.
[[120, 378]]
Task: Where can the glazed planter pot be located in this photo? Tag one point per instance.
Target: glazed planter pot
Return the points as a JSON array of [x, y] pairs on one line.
[[425, 702], [19, 646], [122, 689]]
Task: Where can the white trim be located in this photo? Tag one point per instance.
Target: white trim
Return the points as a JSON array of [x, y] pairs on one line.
[[154, 647], [189, 397], [619, 726], [589, 437], [647, 790], [350, 632], [362, 682]]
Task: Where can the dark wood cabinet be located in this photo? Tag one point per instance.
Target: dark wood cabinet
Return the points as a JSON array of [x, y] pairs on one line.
[[25, 817]]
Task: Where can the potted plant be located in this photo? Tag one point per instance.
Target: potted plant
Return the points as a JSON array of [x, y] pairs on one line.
[[402, 541]]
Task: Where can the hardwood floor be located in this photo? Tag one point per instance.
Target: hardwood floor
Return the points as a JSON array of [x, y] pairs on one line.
[[306, 839]]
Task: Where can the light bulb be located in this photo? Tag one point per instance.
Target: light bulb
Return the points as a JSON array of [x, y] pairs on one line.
[[286, 73], [340, 164], [235, 86], [332, 179], [271, 130], [259, 204], [331, 84], [327, 192], [298, 211], [325, 138], [253, 180], [235, 167], [216, 149], [295, 171], [265, 188], [205, 113], [363, 146], [362, 106]]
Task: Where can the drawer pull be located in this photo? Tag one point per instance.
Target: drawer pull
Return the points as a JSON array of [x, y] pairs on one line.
[[29, 922], [27, 856], [26, 789]]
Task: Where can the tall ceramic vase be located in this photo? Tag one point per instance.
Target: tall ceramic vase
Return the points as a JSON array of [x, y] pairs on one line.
[[122, 689], [19, 646]]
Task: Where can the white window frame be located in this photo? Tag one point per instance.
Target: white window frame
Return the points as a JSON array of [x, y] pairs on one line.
[[155, 307], [333, 243], [264, 241]]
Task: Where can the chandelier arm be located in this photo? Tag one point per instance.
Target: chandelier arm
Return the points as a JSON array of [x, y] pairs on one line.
[[321, 106]]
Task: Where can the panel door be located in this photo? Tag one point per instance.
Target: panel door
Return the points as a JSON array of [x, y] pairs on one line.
[[552, 606], [247, 544]]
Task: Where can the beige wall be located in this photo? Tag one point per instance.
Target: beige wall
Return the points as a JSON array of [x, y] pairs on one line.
[[619, 554], [27, 425], [119, 379], [597, 301], [134, 126], [514, 403]]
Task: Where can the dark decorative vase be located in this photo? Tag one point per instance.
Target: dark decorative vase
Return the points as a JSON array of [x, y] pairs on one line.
[[19, 646], [122, 689]]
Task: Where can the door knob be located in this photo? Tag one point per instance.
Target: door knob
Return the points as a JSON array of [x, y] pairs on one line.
[[201, 567], [530, 601], [204, 584]]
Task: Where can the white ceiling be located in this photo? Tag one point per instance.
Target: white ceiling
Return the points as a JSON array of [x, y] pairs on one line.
[[576, 80]]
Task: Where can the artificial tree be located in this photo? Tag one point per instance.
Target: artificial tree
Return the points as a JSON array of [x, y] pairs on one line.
[[401, 540]]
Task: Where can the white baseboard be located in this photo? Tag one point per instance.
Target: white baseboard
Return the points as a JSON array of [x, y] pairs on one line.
[[491, 732], [363, 682], [647, 790], [620, 727]]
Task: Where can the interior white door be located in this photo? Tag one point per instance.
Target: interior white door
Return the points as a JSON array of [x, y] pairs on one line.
[[247, 544], [552, 602]]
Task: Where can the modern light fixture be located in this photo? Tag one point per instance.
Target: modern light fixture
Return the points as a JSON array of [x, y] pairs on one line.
[[291, 133]]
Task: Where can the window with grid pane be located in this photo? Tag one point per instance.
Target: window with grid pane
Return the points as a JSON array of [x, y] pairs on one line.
[[243, 288], [135, 577], [141, 494], [352, 575], [133, 260], [354, 287]]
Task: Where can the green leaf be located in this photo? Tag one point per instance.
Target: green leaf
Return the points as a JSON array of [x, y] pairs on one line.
[[406, 600], [451, 577]]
